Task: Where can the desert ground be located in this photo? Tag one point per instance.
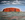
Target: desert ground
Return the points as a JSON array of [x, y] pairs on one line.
[[10, 14]]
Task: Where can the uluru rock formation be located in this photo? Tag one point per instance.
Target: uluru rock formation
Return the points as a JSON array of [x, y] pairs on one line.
[[11, 10]]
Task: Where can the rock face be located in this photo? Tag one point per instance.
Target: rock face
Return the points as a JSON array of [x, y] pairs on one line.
[[11, 10]]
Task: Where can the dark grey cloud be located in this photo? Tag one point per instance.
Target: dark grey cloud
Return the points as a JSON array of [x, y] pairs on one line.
[[21, 0], [12, 2]]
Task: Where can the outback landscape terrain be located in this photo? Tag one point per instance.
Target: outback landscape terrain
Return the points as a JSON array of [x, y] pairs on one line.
[[12, 15]]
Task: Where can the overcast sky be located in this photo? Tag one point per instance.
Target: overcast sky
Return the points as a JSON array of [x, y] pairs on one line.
[[12, 3]]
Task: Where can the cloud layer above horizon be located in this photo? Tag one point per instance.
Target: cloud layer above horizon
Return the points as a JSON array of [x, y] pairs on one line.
[[14, 2]]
